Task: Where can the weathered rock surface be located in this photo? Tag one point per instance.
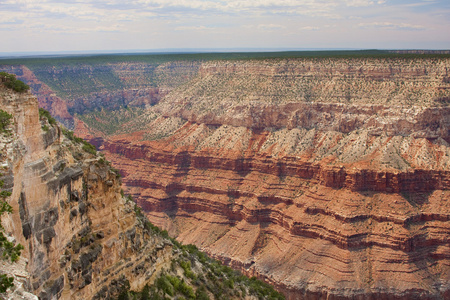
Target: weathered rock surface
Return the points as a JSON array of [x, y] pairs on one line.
[[323, 200], [81, 238], [327, 177], [311, 228]]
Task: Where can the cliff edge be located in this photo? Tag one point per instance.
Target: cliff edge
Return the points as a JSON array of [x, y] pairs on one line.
[[81, 238]]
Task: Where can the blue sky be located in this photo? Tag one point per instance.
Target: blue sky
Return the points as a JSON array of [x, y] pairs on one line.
[[80, 25]]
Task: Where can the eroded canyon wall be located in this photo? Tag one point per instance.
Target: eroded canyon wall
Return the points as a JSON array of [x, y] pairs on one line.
[[82, 239], [327, 177], [330, 199], [66, 88]]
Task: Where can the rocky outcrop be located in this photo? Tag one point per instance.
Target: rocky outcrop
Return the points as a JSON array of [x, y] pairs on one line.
[[328, 177], [82, 239], [46, 96], [312, 228], [321, 199]]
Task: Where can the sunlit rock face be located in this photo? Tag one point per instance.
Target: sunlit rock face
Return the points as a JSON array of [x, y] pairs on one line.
[[81, 238], [320, 198], [327, 177]]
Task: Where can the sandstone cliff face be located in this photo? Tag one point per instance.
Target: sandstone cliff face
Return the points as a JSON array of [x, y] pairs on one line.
[[328, 177], [81, 238], [312, 228], [323, 200]]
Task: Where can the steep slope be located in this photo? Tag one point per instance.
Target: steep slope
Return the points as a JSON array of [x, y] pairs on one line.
[[326, 176], [88, 85], [82, 238], [79, 234], [336, 200]]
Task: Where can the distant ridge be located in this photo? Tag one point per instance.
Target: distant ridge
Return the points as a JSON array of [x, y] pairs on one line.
[[53, 54], [420, 51]]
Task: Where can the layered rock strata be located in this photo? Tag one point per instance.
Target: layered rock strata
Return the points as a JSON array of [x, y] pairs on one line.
[[88, 86], [328, 177], [81, 238], [312, 227], [323, 200]]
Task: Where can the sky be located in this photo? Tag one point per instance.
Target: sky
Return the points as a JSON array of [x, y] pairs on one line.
[[116, 25]]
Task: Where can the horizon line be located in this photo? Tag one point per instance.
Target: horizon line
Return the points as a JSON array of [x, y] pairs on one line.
[[194, 50]]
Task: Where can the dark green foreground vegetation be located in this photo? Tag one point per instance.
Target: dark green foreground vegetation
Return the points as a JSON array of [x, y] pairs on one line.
[[194, 275], [10, 81]]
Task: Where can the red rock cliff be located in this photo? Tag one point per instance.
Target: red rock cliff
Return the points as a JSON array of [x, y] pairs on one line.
[[323, 200]]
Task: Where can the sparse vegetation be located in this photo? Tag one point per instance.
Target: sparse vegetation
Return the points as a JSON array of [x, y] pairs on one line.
[[5, 120], [202, 277], [11, 82], [45, 114], [111, 121], [8, 249], [87, 147]]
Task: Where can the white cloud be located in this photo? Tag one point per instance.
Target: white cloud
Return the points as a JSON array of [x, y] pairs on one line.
[[190, 28], [309, 28], [97, 10], [270, 27], [220, 23], [393, 26], [359, 3]]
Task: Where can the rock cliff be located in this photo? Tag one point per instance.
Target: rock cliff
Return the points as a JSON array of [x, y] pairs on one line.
[[313, 228], [328, 177], [82, 238], [80, 235], [330, 199]]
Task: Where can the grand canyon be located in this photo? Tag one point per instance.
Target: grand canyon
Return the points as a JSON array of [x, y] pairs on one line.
[[327, 176]]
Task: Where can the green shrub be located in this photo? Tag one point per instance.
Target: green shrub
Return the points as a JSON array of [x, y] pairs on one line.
[[45, 114], [175, 281], [71, 136], [186, 290], [116, 171], [5, 120], [201, 294], [5, 194], [89, 148], [10, 81], [5, 282], [164, 285]]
